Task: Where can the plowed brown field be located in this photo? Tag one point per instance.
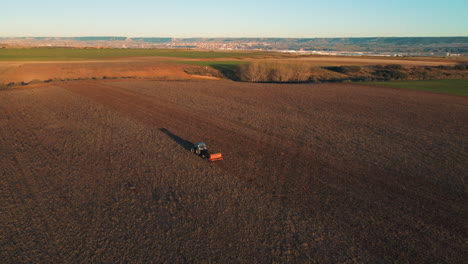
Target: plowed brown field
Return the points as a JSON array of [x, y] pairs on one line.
[[100, 171]]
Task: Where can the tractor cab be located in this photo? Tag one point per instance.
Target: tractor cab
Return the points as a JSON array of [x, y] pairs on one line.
[[201, 150], [201, 146]]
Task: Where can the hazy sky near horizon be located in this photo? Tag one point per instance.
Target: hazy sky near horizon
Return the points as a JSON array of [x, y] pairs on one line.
[[240, 18]]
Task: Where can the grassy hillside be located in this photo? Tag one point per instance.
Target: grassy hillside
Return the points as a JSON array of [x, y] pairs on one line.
[[457, 87]]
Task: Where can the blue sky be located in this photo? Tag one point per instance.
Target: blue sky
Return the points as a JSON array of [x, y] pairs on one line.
[[235, 18]]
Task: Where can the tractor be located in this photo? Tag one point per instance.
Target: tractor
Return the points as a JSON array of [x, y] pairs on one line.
[[201, 150]]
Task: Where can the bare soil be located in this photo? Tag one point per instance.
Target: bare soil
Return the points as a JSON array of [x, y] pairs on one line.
[[100, 171]]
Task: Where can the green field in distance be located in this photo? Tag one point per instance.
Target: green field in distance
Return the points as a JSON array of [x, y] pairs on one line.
[[457, 87], [68, 54]]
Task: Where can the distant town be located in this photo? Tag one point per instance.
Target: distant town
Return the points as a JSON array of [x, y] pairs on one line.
[[378, 46]]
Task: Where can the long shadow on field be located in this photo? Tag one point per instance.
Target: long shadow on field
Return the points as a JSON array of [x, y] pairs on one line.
[[184, 143]]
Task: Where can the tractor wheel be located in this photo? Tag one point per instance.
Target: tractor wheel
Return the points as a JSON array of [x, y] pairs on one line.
[[192, 150]]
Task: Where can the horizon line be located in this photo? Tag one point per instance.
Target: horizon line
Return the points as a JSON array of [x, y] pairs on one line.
[[116, 36]]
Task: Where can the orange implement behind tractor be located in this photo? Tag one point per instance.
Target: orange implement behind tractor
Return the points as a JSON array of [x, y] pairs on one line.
[[201, 150], [215, 157]]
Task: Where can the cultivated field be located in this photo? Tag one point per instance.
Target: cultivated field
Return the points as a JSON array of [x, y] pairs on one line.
[[99, 171]]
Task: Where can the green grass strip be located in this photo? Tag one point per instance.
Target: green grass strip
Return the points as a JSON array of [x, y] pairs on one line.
[[68, 54], [455, 86]]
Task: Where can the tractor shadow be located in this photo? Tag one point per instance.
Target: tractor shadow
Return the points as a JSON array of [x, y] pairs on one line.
[[182, 142]]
